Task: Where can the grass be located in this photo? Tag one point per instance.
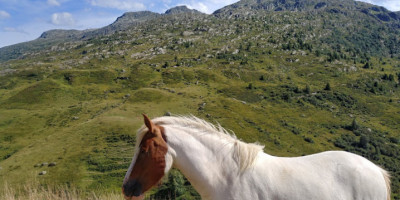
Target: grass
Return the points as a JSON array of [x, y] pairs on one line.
[[84, 116], [35, 191]]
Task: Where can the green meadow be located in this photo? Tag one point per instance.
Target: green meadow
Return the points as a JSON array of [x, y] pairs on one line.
[[79, 108]]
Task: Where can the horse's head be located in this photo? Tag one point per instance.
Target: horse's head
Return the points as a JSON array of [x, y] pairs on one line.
[[149, 163]]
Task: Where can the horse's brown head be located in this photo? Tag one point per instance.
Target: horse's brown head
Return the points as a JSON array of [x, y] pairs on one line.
[[149, 166]]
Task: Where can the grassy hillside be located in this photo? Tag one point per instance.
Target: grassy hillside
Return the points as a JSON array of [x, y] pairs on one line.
[[270, 79]]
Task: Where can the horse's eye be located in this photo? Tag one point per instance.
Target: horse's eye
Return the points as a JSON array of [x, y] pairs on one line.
[[142, 151]]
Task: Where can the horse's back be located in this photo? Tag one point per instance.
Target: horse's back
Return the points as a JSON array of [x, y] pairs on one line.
[[327, 175]]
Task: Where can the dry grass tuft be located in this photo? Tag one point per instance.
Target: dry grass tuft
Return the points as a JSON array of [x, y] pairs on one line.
[[35, 191]]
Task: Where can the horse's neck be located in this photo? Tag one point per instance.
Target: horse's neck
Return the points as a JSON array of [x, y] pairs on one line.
[[203, 158]]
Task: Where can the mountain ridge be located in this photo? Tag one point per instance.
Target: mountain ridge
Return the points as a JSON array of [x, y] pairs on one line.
[[52, 37], [238, 9]]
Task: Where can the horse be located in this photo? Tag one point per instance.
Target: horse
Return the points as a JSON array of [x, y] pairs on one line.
[[220, 166]]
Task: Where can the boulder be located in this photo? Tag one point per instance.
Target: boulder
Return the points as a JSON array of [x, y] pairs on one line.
[[42, 173]]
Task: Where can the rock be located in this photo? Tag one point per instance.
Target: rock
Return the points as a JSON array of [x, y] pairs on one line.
[[45, 164], [352, 69], [138, 55], [161, 51], [42, 173], [187, 33], [52, 164], [202, 106], [167, 114], [75, 118]]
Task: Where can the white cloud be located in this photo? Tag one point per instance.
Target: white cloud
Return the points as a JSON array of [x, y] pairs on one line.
[[167, 1], [223, 2], [15, 30], [200, 7], [4, 14], [62, 19], [393, 5], [206, 6], [53, 2], [128, 5]]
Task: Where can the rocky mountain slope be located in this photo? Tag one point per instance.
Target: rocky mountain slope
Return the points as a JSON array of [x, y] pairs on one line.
[[299, 77], [49, 38]]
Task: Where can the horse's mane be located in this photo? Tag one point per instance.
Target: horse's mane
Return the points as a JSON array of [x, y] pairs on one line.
[[244, 153]]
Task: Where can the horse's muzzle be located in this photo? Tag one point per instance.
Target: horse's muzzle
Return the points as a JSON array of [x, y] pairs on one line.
[[132, 190]]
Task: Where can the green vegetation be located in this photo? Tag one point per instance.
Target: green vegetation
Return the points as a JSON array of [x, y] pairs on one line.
[[298, 82]]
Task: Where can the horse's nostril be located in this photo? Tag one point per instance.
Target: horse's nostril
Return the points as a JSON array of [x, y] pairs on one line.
[[132, 188]]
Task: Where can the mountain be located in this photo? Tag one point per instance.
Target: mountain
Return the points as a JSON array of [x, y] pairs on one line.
[[348, 7], [126, 21], [49, 38], [309, 77], [181, 9], [354, 24]]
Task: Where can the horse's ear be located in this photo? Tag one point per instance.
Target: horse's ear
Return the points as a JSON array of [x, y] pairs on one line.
[[149, 124]]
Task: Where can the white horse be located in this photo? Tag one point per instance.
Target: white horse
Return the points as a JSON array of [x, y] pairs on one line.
[[221, 167]]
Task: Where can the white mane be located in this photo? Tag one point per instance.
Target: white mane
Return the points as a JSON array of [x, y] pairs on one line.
[[244, 153]]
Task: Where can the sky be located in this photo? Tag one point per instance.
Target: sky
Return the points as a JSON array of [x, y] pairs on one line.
[[25, 20]]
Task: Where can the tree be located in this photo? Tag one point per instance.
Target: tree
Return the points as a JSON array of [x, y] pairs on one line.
[[307, 90], [250, 86], [327, 87], [354, 125], [364, 140], [367, 65]]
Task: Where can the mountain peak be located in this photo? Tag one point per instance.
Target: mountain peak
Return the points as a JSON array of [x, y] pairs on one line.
[[181, 9], [136, 16], [252, 7], [59, 33]]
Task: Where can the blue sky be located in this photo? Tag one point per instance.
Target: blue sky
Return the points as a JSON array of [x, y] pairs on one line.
[[25, 20]]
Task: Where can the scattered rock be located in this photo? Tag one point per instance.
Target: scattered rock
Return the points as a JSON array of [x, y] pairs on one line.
[[138, 55], [52, 164], [352, 69], [167, 114], [75, 118], [202, 106], [187, 33], [42, 173], [45, 164]]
